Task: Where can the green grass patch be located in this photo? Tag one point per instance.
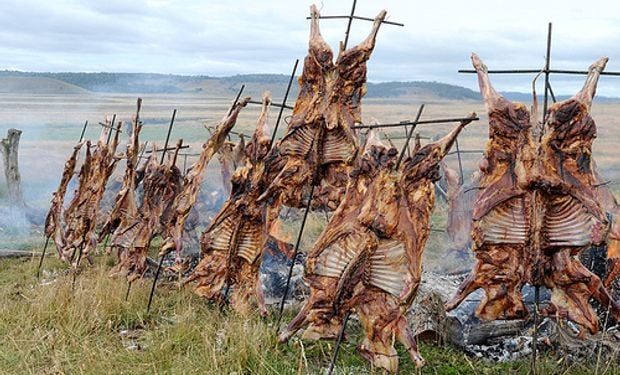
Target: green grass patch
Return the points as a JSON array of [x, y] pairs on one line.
[[46, 327]]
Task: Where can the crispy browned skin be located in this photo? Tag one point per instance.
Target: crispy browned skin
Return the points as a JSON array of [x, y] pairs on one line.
[[54, 227], [192, 181], [81, 215], [538, 209], [233, 245], [369, 256], [319, 143]]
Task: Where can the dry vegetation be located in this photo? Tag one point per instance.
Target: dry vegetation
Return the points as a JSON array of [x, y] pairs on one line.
[[48, 328]]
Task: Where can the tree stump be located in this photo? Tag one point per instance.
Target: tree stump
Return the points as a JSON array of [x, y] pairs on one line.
[[8, 149]]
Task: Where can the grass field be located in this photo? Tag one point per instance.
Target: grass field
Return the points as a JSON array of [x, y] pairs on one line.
[[48, 328]]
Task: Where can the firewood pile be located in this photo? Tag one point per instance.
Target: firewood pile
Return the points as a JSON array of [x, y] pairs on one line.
[[527, 215]]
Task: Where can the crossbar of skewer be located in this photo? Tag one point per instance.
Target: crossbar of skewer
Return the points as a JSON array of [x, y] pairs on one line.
[[536, 71], [419, 122], [358, 18], [272, 104], [168, 149]]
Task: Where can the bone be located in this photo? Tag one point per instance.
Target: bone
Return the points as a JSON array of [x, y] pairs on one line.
[[369, 42], [586, 95], [490, 96]]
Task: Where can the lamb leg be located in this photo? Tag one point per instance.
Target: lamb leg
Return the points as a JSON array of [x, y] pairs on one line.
[[586, 94]]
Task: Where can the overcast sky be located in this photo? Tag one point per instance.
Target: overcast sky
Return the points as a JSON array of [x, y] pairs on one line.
[[219, 38]]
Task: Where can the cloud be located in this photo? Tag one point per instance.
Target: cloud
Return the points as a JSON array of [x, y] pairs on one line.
[[233, 37]]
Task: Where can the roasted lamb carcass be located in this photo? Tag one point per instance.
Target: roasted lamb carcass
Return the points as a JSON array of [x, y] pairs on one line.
[[82, 213], [233, 245], [319, 142], [231, 156], [461, 198], [54, 226], [185, 200], [537, 210], [369, 257]]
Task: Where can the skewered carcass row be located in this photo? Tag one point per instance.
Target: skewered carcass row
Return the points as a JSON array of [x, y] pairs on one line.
[[232, 246], [131, 241], [319, 144], [368, 259], [538, 208]]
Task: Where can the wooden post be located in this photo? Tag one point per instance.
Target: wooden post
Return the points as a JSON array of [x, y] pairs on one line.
[[8, 149]]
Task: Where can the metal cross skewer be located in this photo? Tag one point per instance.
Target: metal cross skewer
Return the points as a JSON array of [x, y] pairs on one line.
[[350, 18], [414, 124], [164, 150], [163, 155], [112, 128], [547, 71], [420, 122], [281, 106], [295, 252], [400, 158], [77, 266], [83, 131], [337, 348], [346, 33], [288, 89], [161, 260]]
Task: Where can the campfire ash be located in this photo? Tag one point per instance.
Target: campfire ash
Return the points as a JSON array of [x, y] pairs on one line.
[[502, 340]]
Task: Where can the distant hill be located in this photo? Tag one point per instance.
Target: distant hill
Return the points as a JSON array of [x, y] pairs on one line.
[[70, 83], [37, 85], [217, 86]]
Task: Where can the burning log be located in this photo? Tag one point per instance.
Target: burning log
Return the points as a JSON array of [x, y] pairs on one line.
[[538, 209], [369, 257], [9, 147]]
